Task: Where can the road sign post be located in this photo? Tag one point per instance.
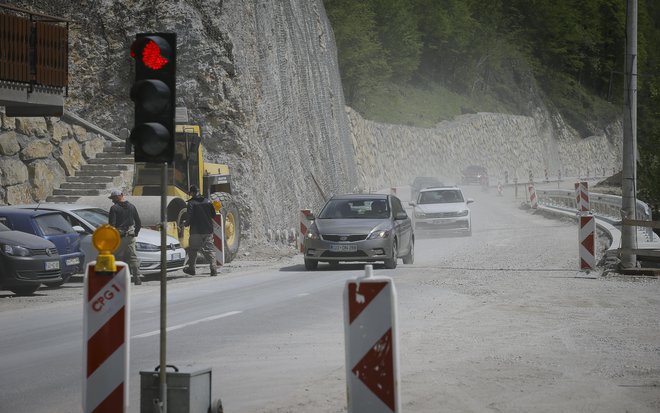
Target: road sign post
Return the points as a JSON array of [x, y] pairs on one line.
[[372, 358], [106, 344]]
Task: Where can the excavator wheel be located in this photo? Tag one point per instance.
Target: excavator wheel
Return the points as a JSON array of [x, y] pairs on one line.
[[232, 222]]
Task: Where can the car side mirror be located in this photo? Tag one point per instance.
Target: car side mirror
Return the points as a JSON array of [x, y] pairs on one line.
[[311, 216], [400, 215], [469, 201], [412, 203], [79, 229]]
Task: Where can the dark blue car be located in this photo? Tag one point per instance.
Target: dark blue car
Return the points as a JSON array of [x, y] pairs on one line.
[[53, 227]]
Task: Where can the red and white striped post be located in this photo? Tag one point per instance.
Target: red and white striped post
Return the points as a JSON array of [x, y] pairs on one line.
[[533, 201], [219, 239], [106, 341], [587, 230], [305, 222], [372, 353], [582, 196]]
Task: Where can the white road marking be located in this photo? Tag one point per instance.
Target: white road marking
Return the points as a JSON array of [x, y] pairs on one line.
[[178, 326], [302, 295]]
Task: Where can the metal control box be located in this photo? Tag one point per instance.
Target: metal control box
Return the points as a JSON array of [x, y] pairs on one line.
[[188, 391]]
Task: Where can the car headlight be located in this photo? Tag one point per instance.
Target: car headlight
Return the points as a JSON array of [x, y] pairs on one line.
[[312, 232], [420, 214], [143, 246], [381, 233], [16, 250], [462, 213]]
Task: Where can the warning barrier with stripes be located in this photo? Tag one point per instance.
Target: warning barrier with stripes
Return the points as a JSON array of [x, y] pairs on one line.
[[582, 196], [587, 241], [106, 340], [305, 222], [372, 359], [219, 239], [533, 200]]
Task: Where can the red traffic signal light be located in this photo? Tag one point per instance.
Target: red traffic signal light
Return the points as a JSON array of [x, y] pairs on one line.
[[154, 94]]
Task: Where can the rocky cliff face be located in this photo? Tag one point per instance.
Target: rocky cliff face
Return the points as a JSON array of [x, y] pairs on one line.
[[261, 78]]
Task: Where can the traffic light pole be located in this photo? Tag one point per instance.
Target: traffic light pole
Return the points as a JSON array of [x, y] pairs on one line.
[[163, 289]]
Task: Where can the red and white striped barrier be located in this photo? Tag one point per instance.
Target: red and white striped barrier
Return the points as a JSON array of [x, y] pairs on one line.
[[305, 222], [106, 340], [533, 200], [219, 239], [587, 241], [372, 359], [582, 196]]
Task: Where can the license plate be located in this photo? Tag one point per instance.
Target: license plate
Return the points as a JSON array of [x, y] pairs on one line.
[[52, 265], [443, 221], [73, 261], [176, 256], [343, 248]]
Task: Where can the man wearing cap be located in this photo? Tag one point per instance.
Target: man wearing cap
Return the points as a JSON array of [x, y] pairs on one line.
[[200, 219], [124, 217]]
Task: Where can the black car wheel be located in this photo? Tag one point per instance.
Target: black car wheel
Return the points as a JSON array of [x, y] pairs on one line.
[[390, 263], [410, 258], [311, 265], [24, 289]]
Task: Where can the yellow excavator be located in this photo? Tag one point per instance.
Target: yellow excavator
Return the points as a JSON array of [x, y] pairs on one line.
[[188, 168]]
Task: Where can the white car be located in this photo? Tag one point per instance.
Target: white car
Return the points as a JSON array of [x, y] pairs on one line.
[[147, 243], [442, 208]]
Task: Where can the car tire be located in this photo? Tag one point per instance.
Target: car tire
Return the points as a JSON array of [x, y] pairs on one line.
[[24, 289], [410, 258], [311, 265], [58, 284], [390, 263]]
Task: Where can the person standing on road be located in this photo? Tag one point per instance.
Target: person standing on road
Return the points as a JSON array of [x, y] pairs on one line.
[[124, 217], [200, 220]]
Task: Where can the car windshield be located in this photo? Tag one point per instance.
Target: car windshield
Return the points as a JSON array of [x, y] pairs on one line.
[[95, 216], [54, 224], [440, 197], [356, 208]]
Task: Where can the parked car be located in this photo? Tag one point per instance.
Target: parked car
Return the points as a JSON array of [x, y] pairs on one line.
[[360, 227], [475, 174], [52, 226], [442, 208], [27, 261], [421, 182], [147, 242]]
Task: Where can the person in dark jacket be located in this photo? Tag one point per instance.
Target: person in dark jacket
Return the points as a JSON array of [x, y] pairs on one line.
[[200, 220], [124, 217]]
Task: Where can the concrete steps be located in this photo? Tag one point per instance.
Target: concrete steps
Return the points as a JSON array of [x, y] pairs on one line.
[[97, 176]]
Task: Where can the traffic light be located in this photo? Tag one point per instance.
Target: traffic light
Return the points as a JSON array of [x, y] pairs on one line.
[[154, 94]]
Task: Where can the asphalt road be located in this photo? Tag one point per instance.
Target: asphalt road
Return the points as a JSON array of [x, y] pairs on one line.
[[498, 322]]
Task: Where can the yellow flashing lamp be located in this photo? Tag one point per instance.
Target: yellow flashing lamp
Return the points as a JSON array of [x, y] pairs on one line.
[[217, 205], [106, 240]]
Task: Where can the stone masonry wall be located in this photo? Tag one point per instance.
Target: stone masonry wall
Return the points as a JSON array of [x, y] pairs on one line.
[[37, 154], [392, 155]]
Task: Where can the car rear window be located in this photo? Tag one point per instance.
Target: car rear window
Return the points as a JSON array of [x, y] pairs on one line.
[[54, 224], [95, 216], [440, 197]]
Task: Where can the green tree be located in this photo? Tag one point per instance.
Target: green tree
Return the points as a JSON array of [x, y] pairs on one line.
[[362, 59], [398, 33]]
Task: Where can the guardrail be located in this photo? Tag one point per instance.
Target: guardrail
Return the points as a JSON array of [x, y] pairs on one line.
[[607, 210]]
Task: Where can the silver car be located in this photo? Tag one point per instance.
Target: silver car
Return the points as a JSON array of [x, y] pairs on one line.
[[443, 208], [147, 242], [360, 228]]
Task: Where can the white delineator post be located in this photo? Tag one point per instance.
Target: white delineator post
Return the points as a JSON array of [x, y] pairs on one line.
[[219, 239], [533, 201], [106, 340], [587, 229], [372, 351], [305, 222]]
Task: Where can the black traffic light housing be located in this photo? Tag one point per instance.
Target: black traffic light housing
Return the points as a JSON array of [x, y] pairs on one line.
[[154, 94]]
